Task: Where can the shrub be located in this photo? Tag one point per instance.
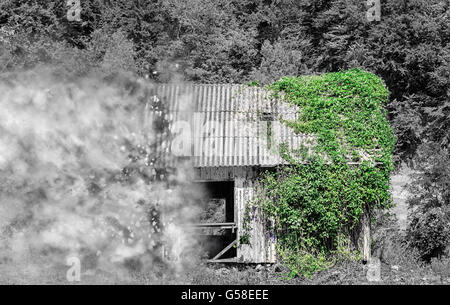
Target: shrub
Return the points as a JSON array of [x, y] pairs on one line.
[[321, 196], [429, 230], [304, 263]]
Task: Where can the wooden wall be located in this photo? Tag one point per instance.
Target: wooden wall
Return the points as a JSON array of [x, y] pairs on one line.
[[261, 245]]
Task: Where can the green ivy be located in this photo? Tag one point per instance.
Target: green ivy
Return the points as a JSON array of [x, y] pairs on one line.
[[254, 83], [245, 234], [321, 196]]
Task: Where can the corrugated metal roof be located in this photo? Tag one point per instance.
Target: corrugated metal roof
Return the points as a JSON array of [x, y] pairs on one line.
[[224, 125]]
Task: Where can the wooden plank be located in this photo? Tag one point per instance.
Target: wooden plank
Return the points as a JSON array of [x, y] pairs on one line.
[[215, 224], [261, 246], [234, 242], [225, 173], [225, 226], [366, 235], [223, 260]]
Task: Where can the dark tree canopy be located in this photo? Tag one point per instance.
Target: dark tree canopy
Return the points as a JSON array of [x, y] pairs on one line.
[[229, 41]]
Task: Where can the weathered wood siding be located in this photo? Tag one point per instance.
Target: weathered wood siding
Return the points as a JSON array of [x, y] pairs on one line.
[[228, 173], [261, 245]]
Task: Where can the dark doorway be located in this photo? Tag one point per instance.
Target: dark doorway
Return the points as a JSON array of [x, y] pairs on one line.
[[218, 207]]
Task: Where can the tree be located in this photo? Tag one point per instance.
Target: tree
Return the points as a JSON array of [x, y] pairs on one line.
[[429, 230]]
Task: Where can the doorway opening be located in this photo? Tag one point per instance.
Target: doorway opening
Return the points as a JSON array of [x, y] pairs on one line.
[[216, 224]]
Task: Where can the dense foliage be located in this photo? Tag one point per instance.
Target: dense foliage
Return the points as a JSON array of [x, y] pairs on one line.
[[429, 231], [317, 201], [239, 41]]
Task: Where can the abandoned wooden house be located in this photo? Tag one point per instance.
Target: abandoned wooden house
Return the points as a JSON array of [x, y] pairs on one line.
[[231, 133]]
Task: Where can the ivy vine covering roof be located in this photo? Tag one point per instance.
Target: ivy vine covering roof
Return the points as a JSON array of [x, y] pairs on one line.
[[346, 113], [237, 125]]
